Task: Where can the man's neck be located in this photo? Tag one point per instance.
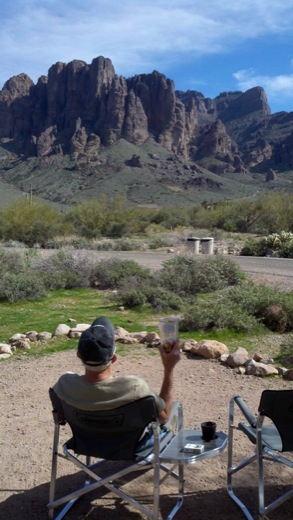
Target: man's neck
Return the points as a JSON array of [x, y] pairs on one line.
[[95, 377]]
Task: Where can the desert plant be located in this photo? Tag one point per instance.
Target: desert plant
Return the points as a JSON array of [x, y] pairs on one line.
[[31, 223], [108, 274], [253, 247], [210, 314], [186, 275], [286, 352], [286, 251], [16, 287], [269, 305], [65, 261]]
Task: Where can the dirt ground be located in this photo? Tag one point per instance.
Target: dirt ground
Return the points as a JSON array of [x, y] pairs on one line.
[[204, 388]]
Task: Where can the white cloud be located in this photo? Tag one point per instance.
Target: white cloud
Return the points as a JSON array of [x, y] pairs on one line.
[[137, 35]]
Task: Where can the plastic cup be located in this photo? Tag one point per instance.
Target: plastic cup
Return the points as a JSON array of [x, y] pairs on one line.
[[168, 328]]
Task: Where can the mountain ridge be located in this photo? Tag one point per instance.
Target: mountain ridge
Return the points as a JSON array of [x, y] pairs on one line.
[[71, 119]]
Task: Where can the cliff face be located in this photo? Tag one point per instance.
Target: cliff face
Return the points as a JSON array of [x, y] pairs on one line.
[[78, 108]]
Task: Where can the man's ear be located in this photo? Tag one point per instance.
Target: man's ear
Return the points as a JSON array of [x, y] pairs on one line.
[[78, 354], [114, 358]]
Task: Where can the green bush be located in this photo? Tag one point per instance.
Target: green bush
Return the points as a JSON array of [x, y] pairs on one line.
[[31, 223], [22, 286], [211, 314], [186, 275], [286, 352], [268, 305], [109, 273], [162, 300], [286, 251], [75, 266], [132, 298], [60, 280], [135, 291], [253, 247]]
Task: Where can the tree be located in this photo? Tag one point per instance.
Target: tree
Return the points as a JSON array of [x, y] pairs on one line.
[[29, 222]]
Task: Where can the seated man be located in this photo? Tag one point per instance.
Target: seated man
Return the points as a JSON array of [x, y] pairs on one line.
[[98, 389]]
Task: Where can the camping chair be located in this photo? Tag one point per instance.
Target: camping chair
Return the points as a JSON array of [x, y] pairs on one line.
[[113, 435], [270, 441]]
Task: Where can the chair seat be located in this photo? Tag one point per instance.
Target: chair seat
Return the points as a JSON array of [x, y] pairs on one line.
[[270, 435], [115, 435]]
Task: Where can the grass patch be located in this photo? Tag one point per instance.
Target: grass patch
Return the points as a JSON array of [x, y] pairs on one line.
[[84, 305]]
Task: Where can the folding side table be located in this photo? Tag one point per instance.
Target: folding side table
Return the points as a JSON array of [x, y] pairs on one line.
[[174, 452]]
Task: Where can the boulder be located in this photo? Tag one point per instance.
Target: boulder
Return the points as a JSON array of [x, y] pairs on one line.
[[152, 339], [61, 330], [261, 369], [43, 336], [209, 349], [239, 358], [289, 374], [189, 345], [32, 335], [16, 337], [5, 349]]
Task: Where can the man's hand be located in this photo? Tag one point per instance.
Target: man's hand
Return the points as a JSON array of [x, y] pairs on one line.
[[171, 358]]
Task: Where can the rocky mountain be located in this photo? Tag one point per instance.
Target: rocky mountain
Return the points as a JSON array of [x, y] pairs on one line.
[[73, 120]]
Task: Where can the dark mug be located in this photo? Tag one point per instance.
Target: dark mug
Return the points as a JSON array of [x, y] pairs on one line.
[[208, 430]]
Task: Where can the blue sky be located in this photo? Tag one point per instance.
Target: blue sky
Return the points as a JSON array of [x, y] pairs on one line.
[[206, 45]]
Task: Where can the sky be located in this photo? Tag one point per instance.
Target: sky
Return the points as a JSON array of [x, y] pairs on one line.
[[210, 46]]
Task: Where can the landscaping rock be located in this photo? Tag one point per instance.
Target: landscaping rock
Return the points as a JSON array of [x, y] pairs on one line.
[[61, 330], [261, 369], [210, 349], [240, 357]]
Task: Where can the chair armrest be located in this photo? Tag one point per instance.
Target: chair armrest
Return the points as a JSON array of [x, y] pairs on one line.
[[245, 410], [176, 417]]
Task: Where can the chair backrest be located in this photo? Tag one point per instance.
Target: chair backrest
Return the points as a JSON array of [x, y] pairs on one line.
[[278, 406], [108, 434]]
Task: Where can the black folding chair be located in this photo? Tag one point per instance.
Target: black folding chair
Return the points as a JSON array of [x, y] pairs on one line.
[[113, 435], [270, 440]]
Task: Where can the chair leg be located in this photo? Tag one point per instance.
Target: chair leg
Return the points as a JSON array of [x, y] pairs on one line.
[[180, 496], [232, 469], [54, 468]]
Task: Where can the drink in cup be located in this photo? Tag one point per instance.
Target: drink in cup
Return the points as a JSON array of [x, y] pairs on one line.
[[168, 328]]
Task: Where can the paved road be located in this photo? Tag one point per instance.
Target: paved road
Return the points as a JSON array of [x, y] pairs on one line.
[[250, 264]]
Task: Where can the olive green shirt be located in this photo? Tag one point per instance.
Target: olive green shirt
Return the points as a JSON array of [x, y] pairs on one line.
[[104, 395]]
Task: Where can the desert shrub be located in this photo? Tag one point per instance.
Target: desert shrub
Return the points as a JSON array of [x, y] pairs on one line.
[[116, 229], [109, 273], [269, 305], [286, 251], [14, 243], [60, 280], [253, 247], [286, 352], [30, 223], [10, 261], [280, 244], [16, 287], [162, 300], [158, 242], [75, 266], [126, 244], [186, 275], [136, 291], [132, 298], [213, 314]]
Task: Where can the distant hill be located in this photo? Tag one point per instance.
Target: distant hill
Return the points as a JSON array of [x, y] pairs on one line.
[[83, 130]]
